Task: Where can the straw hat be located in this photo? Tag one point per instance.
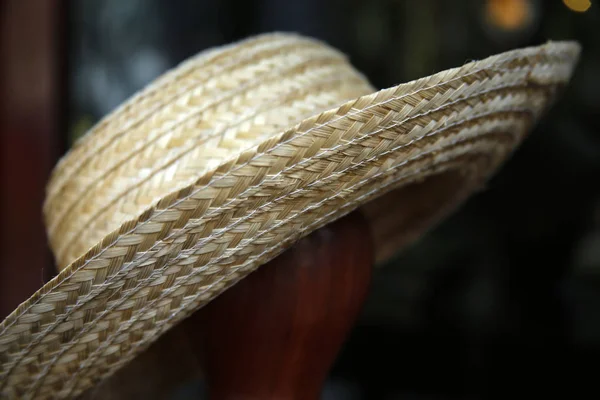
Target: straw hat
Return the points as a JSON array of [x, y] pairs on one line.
[[224, 162]]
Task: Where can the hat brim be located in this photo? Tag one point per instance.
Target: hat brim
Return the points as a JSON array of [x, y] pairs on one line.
[[115, 300]]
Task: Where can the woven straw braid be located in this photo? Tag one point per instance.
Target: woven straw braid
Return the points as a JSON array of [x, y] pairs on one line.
[[197, 131], [169, 228], [194, 72]]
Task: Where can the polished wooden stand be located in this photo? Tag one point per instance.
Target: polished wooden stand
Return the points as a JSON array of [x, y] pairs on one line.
[[276, 334]]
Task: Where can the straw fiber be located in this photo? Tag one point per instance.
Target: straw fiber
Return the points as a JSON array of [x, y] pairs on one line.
[[224, 162]]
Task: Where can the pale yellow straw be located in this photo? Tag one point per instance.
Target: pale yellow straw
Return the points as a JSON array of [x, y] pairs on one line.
[[224, 162]]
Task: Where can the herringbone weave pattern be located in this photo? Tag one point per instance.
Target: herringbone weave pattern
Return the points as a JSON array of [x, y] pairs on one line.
[[224, 162]]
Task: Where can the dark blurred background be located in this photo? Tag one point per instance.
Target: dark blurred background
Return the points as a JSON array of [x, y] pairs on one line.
[[503, 298]]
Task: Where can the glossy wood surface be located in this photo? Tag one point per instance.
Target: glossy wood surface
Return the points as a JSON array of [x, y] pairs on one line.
[[276, 334]]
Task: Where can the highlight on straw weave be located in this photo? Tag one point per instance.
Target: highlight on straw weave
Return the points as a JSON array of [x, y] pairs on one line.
[[224, 162]]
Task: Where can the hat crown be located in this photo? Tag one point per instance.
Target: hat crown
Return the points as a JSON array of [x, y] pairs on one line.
[[203, 113]]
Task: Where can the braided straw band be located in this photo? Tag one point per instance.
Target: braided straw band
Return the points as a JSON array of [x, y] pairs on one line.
[[224, 162]]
